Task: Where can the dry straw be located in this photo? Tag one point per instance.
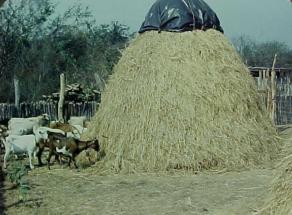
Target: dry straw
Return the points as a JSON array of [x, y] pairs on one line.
[[279, 200], [182, 101]]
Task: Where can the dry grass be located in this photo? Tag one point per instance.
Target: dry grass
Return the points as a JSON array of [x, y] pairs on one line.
[[182, 101]]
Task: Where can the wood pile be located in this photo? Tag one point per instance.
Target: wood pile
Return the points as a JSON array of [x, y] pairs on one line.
[[75, 92]]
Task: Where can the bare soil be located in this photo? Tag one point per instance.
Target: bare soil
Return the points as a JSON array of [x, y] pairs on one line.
[[65, 191], [70, 191]]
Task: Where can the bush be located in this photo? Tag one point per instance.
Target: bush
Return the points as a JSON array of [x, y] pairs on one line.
[[16, 174]]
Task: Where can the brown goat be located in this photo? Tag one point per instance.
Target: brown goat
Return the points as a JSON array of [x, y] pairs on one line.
[[51, 144], [72, 147], [70, 130], [62, 126]]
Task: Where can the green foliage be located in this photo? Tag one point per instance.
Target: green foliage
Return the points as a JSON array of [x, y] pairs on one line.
[[36, 45], [16, 173]]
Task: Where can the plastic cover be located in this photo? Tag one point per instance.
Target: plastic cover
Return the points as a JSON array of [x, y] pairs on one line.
[[180, 15]]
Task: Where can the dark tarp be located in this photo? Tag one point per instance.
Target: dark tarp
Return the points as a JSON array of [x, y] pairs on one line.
[[180, 15]]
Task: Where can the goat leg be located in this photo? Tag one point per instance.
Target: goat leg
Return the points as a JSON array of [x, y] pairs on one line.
[[39, 156], [7, 152], [30, 155], [69, 161], [49, 158], [74, 162], [58, 158]]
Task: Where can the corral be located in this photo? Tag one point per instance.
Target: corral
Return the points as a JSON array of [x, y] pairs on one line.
[[181, 127], [240, 191]]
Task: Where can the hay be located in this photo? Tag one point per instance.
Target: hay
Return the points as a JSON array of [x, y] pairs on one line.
[[279, 199], [280, 196], [182, 101], [86, 158]]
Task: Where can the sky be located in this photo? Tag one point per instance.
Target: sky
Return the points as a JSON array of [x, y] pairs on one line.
[[262, 20]]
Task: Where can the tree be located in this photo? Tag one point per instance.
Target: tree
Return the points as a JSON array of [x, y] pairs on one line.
[[262, 53], [18, 26], [36, 47], [245, 47]]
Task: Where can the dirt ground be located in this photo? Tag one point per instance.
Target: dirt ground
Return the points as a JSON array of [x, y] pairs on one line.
[[69, 191]]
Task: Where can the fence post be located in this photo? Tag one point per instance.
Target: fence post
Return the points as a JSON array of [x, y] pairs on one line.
[[61, 98], [274, 91], [16, 94]]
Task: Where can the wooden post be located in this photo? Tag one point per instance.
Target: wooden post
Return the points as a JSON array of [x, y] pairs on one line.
[[61, 98], [268, 89], [16, 93], [274, 91]]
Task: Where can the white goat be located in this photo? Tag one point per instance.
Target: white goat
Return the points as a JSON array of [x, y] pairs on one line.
[[74, 134], [77, 120], [24, 144], [80, 128], [21, 126]]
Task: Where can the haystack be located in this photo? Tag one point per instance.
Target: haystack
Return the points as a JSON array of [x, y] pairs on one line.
[[279, 199], [182, 101]]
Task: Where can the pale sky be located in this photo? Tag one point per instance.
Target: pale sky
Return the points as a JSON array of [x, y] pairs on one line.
[[261, 19]]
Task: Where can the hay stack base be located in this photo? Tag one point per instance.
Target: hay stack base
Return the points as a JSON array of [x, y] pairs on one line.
[[279, 200], [182, 101], [280, 197]]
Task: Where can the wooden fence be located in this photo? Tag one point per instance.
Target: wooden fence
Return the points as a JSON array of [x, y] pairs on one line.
[[283, 81], [8, 111], [262, 76]]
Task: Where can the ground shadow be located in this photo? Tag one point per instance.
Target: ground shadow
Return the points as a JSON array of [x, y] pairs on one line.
[[29, 202]]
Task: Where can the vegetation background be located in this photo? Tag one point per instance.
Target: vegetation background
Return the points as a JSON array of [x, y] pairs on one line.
[[36, 46]]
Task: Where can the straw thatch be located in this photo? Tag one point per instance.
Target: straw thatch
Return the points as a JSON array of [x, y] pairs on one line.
[[182, 101]]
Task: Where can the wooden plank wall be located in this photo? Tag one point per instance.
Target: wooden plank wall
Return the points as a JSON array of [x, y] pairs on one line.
[[31, 109]]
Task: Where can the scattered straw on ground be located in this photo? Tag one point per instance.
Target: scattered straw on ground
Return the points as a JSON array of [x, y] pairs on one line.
[[182, 101]]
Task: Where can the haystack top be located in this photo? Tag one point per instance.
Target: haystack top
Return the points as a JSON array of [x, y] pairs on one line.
[[180, 15]]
